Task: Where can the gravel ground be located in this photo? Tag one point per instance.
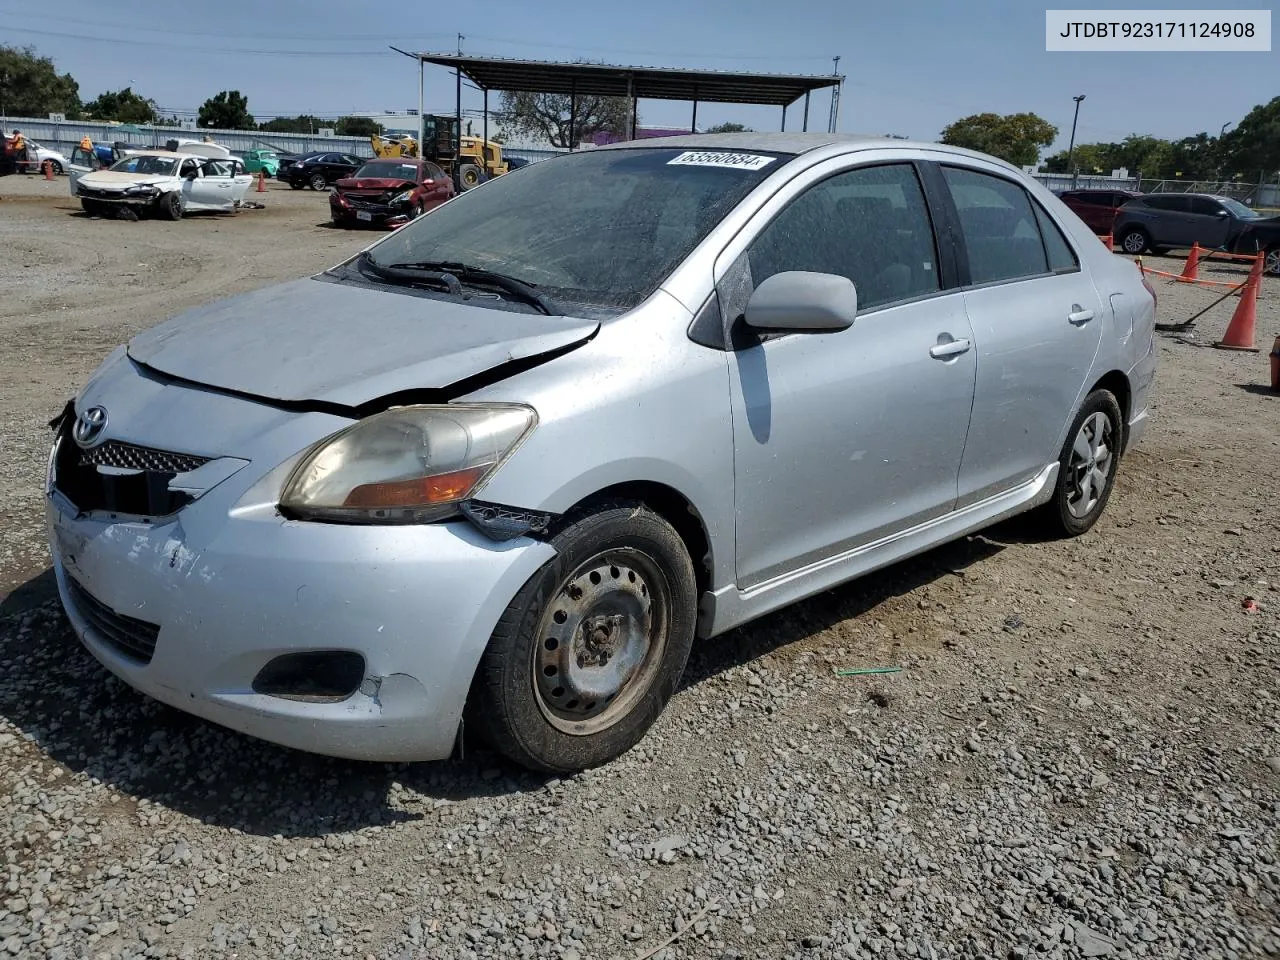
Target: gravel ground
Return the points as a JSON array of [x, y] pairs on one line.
[[1080, 756]]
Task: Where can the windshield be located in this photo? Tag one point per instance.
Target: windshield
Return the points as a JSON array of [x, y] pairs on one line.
[[389, 170], [145, 165], [1238, 209], [602, 227]]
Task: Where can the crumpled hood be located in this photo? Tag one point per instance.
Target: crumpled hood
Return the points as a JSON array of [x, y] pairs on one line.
[[344, 344], [118, 180], [374, 183]]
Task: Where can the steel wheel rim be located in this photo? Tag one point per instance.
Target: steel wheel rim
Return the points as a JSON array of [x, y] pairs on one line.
[[1134, 242], [1090, 465], [601, 641]]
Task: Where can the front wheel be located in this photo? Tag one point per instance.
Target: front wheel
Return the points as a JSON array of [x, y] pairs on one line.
[[590, 650], [1272, 262], [1134, 241], [296, 185], [169, 206], [1087, 466]]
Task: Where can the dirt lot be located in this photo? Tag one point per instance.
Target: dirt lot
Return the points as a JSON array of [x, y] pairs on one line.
[[1080, 757]]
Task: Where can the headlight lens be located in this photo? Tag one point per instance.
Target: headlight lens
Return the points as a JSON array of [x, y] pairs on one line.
[[406, 465], [141, 191], [404, 197]]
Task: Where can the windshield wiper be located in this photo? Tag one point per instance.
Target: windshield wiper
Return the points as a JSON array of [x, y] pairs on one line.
[[446, 270]]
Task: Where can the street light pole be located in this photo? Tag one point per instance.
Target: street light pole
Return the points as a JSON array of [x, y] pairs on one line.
[[1071, 147]]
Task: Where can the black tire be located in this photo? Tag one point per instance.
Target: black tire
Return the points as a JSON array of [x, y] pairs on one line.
[[1134, 240], [57, 168], [93, 208], [170, 206], [469, 176], [296, 185], [318, 182], [633, 565], [1065, 515], [1271, 265]]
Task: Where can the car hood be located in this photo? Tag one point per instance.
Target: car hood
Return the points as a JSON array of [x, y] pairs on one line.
[[374, 183], [114, 180], [312, 340]]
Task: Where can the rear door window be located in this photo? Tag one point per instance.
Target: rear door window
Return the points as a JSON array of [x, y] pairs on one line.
[[1169, 201], [999, 225]]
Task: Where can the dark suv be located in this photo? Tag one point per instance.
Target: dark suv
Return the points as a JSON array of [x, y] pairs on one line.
[[1098, 208], [1159, 221], [318, 170]]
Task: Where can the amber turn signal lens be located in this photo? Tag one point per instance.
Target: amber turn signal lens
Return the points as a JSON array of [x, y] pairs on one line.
[[418, 491]]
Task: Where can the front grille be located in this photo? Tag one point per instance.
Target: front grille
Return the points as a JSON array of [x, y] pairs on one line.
[[128, 636], [91, 194], [144, 492], [368, 203], [128, 456]]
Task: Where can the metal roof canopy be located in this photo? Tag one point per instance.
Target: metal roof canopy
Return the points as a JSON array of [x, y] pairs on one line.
[[646, 83]]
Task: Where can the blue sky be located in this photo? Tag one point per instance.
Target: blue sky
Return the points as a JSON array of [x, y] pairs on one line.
[[913, 66]]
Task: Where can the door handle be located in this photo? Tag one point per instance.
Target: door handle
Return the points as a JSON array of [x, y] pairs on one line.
[[1078, 315], [949, 348]]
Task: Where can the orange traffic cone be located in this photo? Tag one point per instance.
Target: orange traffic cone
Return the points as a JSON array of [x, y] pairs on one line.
[[262, 181], [1109, 242], [48, 169], [1239, 335], [1191, 271]]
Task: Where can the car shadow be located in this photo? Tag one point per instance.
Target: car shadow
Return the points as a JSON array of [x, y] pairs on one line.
[[1261, 389], [82, 717]]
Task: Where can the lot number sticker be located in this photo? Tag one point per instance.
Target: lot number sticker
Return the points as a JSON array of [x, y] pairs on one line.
[[735, 161]]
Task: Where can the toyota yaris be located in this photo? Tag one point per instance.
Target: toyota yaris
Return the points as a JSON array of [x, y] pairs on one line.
[[510, 462]]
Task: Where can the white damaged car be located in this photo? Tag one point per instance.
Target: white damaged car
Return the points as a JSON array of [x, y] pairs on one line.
[[164, 183]]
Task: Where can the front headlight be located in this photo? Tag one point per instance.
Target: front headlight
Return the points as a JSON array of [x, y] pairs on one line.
[[142, 190], [404, 197], [406, 465]]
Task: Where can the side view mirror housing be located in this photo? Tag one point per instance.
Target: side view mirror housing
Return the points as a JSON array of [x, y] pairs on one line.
[[798, 301]]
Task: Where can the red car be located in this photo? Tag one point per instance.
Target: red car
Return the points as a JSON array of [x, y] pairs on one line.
[[1097, 208], [389, 193]]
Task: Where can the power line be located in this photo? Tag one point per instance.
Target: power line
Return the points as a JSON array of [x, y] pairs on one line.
[[197, 49]]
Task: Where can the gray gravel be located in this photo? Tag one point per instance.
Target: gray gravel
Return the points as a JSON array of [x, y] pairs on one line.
[[1080, 757]]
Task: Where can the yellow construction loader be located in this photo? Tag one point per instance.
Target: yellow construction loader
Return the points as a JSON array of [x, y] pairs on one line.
[[468, 160]]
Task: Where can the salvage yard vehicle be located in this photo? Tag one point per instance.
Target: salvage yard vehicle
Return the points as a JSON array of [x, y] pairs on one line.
[[388, 192], [262, 161], [1097, 208], [1160, 221], [509, 461], [164, 184], [319, 170]]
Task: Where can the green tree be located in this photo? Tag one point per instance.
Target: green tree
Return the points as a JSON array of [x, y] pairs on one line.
[[1253, 147], [1195, 158], [122, 105], [545, 116], [30, 85], [1016, 137], [1086, 158], [357, 127], [303, 123], [229, 110], [728, 128]]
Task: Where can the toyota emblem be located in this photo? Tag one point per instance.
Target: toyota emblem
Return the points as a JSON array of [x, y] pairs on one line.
[[88, 427]]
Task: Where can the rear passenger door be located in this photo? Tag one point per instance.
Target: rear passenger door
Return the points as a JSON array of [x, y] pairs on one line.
[[1037, 323], [1172, 225]]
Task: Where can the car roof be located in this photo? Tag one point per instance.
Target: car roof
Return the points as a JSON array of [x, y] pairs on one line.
[[797, 143]]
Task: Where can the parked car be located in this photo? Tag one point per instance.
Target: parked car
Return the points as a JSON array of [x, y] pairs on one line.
[[164, 184], [387, 192], [319, 170], [37, 156], [1160, 221], [1098, 208], [510, 460], [262, 161]]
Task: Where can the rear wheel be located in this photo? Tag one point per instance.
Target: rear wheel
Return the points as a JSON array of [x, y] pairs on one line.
[[318, 182], [1134, 241], [56, 167], [468, 176], [590, 650], [1272, 262], [1087, 466]]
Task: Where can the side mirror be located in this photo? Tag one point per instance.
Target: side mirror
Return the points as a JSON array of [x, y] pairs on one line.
[[797, 301]]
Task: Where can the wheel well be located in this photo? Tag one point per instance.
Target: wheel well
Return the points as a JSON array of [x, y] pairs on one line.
[[1118, 384], [673, 507]]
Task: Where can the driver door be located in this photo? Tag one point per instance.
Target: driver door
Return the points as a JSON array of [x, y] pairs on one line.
[[842, 439]]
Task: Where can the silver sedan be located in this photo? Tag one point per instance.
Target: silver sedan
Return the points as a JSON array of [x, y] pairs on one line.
[[510, 462]]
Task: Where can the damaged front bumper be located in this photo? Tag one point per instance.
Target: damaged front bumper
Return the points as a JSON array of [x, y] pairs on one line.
[[220, 594]]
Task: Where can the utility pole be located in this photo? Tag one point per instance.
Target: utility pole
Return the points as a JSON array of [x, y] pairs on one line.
[[457, 73], [834, 118], [1071, 147]]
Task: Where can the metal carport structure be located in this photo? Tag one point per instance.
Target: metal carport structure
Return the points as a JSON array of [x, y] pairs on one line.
[[635, 83]]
